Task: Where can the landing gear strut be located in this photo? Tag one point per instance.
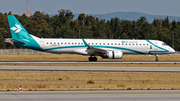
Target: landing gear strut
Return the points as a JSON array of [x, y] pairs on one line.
[[92, 58], [156, 58]]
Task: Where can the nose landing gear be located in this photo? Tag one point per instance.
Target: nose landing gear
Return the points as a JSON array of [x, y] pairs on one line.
[[156, 58], [92, 58]]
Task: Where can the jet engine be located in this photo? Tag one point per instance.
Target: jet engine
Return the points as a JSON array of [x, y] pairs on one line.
[[113, 55]]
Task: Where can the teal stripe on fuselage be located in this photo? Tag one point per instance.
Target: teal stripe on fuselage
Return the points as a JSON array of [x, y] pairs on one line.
[[63, 47], [151, 52], [120, 48]]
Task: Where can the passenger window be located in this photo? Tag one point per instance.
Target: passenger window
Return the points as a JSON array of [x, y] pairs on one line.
[[51, 43], [119, 44], [99, 43], [92, 43], [103, 43], [115, 43], [79, 43], [64, 43], [47, 42], [61, 42], [136, 44], [122, 44], [72, 43], [111, 43], [54, 43], [144, 44], [129, 44], [75, 43], [68, 43], [58, 43], [108, 43]]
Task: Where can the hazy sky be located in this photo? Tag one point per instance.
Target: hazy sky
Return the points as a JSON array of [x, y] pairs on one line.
[[157, 7]]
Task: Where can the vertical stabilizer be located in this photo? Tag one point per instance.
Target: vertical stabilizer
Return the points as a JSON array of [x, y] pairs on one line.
[[20, 36], [18, 32]]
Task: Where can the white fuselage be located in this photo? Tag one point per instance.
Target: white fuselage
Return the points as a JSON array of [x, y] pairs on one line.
[[76, 46]]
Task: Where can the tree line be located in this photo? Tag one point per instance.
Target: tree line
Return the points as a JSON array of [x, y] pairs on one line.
[[62, 25]]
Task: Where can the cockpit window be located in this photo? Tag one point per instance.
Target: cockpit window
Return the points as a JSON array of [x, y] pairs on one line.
[[164, 44]]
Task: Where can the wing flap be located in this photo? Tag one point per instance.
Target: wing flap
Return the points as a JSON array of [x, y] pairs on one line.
[[93, 50]]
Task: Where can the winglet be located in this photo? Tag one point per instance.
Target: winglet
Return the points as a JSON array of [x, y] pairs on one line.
[[85, 43]]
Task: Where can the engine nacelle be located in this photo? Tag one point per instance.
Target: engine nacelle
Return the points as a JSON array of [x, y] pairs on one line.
[[114, 54]]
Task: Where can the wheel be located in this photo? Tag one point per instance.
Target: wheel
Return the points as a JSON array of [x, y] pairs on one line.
[[92, 59], [156, 59]]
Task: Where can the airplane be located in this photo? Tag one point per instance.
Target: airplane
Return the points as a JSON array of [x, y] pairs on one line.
[[106, 48]]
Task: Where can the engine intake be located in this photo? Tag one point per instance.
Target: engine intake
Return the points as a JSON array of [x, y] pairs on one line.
[[113, 55]]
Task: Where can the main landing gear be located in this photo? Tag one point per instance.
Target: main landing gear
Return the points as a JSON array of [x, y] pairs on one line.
[[156, 58], [92, 58]]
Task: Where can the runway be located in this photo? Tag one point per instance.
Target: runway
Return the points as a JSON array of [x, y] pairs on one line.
[[132, 95], [73, 68], [88, 62]]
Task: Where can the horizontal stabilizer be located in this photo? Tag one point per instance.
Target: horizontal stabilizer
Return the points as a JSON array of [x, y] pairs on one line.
[[10, 40]]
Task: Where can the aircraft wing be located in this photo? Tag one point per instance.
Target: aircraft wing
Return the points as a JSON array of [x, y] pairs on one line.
[[93, 50]]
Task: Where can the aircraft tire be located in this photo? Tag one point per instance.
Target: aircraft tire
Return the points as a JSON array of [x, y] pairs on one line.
[[92, 59], [156, 59]]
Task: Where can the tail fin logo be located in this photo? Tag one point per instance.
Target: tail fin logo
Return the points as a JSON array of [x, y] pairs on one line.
[[16, 28]]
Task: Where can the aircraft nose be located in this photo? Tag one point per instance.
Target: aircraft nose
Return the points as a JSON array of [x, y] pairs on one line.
[[172, 50]]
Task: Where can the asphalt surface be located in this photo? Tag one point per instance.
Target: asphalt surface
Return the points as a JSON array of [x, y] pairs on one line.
[[68, 68], [88, 62], [131, 95]]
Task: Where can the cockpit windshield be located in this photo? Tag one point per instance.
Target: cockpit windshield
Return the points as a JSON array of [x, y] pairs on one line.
[[164, 44]]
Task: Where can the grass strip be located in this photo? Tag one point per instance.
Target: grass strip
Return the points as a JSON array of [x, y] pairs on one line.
[[74, 57], [88, 80]]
